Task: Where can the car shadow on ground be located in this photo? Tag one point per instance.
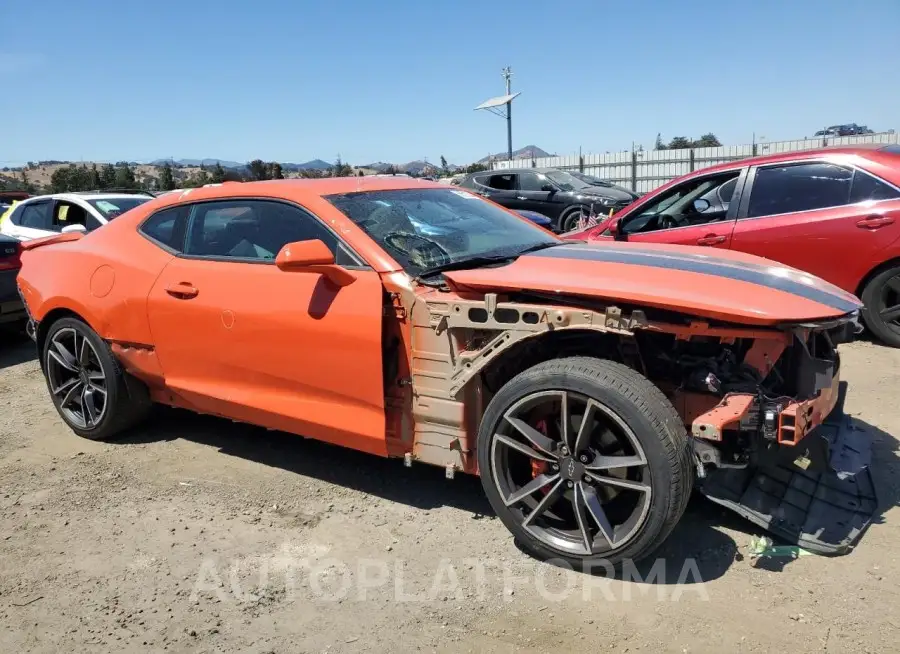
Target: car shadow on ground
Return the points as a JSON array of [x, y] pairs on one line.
[[15, 348], [698, 537]]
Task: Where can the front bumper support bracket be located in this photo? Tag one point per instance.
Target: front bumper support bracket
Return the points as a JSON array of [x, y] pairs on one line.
[[822, 499]]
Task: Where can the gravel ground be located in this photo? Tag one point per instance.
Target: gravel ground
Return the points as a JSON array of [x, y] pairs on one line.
[[199, 535]]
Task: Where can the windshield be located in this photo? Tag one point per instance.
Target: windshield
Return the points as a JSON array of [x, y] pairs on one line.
[[110, 208], [566, 181], [590, 179], [428, 228]]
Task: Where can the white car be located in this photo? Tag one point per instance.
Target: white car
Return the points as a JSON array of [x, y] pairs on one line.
[[45, 215]]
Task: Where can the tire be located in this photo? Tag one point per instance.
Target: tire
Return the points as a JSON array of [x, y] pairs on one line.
[[124, 400], [627, 401], [568, 216], [881, 289]]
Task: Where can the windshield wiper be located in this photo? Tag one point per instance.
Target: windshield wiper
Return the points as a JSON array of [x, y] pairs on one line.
[[474, 262]]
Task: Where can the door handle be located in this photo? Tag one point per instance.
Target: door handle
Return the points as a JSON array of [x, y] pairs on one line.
[[182, 290], [711, 239], [519, 197], [874, 222]]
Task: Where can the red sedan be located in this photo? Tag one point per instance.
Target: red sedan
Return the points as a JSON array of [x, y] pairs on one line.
[[834, 212]]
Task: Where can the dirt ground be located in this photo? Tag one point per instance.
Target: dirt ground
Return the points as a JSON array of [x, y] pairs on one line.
[[199, 535]]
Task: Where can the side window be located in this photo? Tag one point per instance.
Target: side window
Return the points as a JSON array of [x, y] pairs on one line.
[[251, 229], [727, 190], [481, 180], [802, 187], [676, 207], [166, 227], [532, 181], [35, 215], [867, 188], [67, 213], [505, 182]]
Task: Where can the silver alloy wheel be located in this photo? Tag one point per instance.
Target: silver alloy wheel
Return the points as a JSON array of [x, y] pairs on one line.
[[77, 379], [572, 471]]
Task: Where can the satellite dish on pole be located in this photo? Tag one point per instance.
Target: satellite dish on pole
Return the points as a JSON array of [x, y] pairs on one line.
[[502, 106]]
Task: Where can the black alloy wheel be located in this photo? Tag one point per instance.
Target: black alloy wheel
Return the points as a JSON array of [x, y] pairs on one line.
[[585, 460], [881, 311], [76, 377], [95, 397]]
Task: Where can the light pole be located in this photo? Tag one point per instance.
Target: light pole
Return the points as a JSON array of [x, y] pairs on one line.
[[494, 106]]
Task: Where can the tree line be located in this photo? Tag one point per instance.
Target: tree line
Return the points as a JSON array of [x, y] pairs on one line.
[[682, 142], [169, 176]]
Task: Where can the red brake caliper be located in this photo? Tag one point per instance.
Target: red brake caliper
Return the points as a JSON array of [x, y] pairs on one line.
[[540, 467]]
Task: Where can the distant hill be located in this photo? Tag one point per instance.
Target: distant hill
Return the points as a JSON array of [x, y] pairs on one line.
[[315, 164], [528, 152], [418, 168]]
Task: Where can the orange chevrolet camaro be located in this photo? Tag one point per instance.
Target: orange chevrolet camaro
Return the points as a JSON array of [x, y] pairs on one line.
[[590, 386]]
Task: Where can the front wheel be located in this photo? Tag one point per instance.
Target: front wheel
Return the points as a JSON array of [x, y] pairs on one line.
[[91, 392], [568, 221], [586, 461]]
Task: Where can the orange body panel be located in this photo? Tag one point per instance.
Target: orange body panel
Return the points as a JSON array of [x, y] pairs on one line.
[[284, 350]]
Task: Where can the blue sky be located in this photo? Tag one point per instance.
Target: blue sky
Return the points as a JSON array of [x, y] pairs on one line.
[[397, 80]]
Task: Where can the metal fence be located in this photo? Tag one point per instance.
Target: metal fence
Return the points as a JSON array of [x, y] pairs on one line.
[[645, 170]]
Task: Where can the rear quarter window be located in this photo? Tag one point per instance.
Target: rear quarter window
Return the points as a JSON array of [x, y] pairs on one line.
[[167, 228]]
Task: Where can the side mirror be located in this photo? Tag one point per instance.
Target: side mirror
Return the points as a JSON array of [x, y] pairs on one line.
[[614, 229], [701, 205], [548, 187], [68, 229], [313, 257]]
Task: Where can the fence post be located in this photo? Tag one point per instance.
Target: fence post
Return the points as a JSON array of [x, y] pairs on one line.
[[633, 170], [692, 159], [580, 163]]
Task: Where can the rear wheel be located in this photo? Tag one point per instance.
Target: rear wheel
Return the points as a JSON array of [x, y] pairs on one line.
[[91, 392], [586, 461], [881, 310]]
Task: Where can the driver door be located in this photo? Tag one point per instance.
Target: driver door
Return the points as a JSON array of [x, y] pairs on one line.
[[537, 193], [240, 338], [674, 216]]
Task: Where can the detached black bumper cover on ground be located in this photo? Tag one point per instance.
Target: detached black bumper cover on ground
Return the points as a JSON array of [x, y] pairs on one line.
[[824, 508]]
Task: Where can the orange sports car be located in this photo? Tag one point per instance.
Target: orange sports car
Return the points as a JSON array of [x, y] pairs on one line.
[[590, 386]]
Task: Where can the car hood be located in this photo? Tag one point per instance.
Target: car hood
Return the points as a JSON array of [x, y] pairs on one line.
[[730, 286], [619, 195]]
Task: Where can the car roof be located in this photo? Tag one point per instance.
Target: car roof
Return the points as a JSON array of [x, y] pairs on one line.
[[76, 195], [297, 188], [864, 150]]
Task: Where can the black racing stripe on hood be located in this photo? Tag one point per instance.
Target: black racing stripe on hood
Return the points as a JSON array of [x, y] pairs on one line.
[[705, 258], [668, 261]]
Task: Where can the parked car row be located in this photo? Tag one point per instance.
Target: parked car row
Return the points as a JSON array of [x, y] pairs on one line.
[[563, 196], [420, 321]]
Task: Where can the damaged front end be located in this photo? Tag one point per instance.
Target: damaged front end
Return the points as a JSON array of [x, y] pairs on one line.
[[771, 440], [762, 403]]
